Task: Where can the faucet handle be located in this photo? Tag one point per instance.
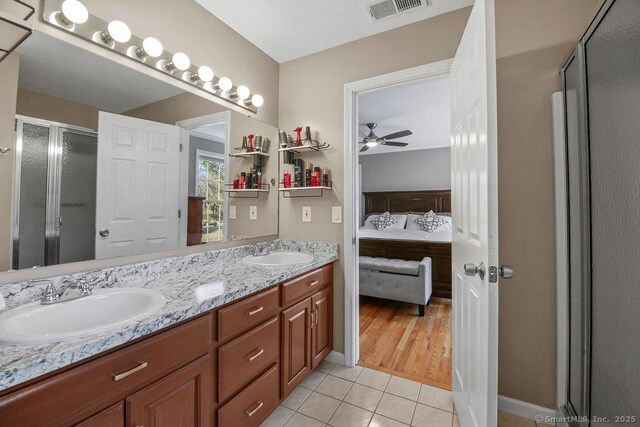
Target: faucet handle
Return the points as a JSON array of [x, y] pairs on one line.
[[49, 295]]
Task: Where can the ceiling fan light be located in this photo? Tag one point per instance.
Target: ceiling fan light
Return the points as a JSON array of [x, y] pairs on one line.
[[371, 143]]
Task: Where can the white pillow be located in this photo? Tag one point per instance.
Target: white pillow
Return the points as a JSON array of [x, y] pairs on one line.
[[401, 221], [412, 223]]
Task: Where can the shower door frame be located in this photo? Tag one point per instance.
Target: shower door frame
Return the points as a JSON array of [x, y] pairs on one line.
[[53, 221]]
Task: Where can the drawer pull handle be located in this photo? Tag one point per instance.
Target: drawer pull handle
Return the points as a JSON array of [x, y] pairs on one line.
[[316, 313], [256, 409], [315, 282], [256, 310], [140, 367], [256, 355]]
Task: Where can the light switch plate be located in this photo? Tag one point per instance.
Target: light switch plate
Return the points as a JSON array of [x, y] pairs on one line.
[[253, 213], [232, 212], [306, 214], [336, 214]]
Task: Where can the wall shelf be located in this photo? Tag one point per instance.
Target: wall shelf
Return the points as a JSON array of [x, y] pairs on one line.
[[293, 192], [250, 154], [14, 26], [246, 193], [305, 148]]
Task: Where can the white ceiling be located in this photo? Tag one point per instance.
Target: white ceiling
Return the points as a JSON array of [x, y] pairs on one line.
[[53, 67], [421, 107], [214, 132], [289, 29]]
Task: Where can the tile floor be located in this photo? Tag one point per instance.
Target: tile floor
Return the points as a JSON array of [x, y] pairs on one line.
[[338, 396]]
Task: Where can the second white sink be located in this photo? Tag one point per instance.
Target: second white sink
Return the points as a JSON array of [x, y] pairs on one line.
[[277, 259], [104, 310]]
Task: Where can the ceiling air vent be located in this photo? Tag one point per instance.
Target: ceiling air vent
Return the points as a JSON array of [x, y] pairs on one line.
[[379, 10]]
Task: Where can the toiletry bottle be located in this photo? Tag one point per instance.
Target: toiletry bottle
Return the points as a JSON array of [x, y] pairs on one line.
[[316, 177], [249, 178], [286, 180], [245, 145], [307, 139], [243, 181], [258, 143], [308, 172], [236, 183], [259, 178], [325, 177], [298, 131]]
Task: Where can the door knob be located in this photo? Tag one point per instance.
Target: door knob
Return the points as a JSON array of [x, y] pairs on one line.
[[104, 232], [472, 270], [504, 271]]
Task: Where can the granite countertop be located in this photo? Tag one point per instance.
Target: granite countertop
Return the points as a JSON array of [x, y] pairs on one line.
[[191, 285]]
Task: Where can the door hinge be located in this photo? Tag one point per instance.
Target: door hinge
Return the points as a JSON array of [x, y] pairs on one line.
[[179, 213], [181, 147], [15, 125]]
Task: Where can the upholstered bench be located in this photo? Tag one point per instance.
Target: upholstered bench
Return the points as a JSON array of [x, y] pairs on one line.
[[396, 279]]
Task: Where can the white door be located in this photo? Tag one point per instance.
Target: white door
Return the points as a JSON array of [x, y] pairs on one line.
[[475, 219], [137, 186]]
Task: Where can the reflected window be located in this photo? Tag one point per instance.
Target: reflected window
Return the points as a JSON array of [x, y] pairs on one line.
[[210, 185]]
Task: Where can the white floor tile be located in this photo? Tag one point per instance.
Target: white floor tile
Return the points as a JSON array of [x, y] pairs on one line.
[[403, 387], [346, 373], [334, 387], [278, 418], [325, 366], [436, 397], [364, 397], [296, 398], [380, 421], [373, 379], [397, 408], [427, 416], [319, 406], [299, 420], [350, 416], [312, 381]]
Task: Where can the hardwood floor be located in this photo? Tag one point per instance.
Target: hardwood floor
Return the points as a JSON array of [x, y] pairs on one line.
[[394, 339]]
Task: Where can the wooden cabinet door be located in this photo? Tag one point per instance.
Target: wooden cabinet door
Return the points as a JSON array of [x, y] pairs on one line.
[[296, 348], [182, 398], [110, 417], [322, 328]]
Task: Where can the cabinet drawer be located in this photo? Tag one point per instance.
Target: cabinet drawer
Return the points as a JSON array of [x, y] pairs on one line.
[[73, 395], [307, 284], [253, 404], [249, 312], [244, 358]]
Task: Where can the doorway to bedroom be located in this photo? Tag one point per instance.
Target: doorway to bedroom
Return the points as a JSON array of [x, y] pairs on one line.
[[404, 231]]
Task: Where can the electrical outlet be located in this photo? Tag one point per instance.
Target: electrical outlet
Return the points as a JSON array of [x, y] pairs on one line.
[[306, 214], [232, 212], [336, 214], [253, 213]]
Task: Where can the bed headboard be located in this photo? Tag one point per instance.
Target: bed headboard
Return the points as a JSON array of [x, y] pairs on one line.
[[404, 201]]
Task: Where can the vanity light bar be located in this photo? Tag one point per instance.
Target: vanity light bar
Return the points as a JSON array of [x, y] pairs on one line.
[[73, 17]]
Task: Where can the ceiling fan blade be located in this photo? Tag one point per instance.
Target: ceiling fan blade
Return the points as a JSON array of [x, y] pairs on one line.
[[396, 143], [365, 148], [398, 134]]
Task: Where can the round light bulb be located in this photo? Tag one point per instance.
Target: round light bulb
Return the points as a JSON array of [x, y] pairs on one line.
[[152, 47], [181, 61], [119, 31], [243, 92], [225, 84], [75, 12], [257, 100], [205, 73]]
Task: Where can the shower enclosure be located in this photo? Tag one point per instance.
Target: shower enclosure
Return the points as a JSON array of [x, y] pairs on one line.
[[601, 88], [54, 194]]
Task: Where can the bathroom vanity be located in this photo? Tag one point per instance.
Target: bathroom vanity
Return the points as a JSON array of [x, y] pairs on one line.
[[230, 365]]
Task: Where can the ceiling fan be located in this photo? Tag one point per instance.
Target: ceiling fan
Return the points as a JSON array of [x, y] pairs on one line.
[[373, 140]]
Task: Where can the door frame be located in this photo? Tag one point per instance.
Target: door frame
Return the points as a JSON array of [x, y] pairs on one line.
[[187, 125], [352, 181]]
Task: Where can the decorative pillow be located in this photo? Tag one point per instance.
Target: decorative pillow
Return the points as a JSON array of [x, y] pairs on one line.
[[401, 221], [430, 222], [384, 221]]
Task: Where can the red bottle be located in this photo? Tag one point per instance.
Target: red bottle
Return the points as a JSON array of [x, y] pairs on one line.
[[251, 146], [286, 180]]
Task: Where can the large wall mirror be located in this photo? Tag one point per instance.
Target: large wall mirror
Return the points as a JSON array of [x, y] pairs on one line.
[[111, 162]]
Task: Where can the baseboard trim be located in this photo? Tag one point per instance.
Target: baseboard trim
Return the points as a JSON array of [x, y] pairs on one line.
[[335, 357], [523, 409]]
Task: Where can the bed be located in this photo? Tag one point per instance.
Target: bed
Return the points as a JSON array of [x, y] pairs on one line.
[[411, 245]]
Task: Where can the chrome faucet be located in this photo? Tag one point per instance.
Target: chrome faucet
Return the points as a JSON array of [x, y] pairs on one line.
[[74, 289], [265, 251]]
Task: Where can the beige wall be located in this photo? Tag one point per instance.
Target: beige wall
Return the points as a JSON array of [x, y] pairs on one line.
[[8, 84], [176, 108], [41, 106], [311, 93], [533, 41]]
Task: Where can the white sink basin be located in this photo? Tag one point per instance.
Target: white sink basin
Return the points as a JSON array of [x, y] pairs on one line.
[[277, 259], [104, 310]]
